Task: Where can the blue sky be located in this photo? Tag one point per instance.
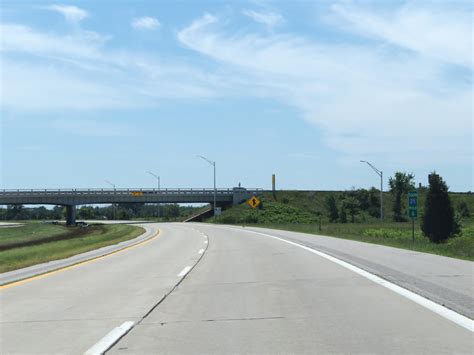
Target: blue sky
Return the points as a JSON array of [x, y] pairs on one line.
[[106, 90]]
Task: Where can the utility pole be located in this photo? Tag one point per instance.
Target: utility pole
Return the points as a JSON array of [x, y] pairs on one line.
[[157, 177], [379, 173], [213, 163], [113, 204]]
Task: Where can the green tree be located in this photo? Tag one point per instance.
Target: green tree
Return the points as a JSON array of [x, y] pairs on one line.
[[351, 205], [400, 184], [438, 220], [342, 215], [86, 212], [331, 207], [374, 202]]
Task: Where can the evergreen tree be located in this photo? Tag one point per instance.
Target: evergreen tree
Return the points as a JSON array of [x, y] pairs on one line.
[[438, 221]]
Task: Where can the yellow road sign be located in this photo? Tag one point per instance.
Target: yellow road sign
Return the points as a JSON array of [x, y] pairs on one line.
[[137, 193], [253, 202]]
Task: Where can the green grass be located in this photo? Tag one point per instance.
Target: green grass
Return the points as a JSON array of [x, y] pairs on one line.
[[31, 231], [398, 235], [301, 210], [97, 237]]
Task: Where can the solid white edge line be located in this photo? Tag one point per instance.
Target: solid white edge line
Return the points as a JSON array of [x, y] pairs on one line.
[[201, 251], [110, 339], [444, 312], [184, 271]]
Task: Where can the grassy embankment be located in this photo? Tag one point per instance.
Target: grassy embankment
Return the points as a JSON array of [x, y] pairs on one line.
[[300, 211], [36, 242]]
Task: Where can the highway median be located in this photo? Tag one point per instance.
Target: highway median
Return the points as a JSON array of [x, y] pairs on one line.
[[36, 243]]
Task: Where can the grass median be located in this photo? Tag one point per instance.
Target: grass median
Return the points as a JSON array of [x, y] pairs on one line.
[[71, 241]]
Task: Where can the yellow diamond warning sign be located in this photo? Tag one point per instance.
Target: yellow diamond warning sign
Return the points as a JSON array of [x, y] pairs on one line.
[[253, 202]]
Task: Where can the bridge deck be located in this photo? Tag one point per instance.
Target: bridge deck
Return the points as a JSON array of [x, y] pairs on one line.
[[129, 195]]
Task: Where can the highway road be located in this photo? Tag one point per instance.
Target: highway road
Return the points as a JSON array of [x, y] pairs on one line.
[[215, 289]]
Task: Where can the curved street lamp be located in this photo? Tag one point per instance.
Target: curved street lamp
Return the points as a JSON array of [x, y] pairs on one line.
[[379, 173], [157, 177], [213, 163], [113, 204]]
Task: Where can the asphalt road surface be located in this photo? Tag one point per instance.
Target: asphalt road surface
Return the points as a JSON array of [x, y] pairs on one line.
[[209, 289]]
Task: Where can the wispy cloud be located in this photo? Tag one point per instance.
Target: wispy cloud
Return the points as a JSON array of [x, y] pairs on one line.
[[442, 32], [76, 71], [72, 14], [146, 23], [269, 19], [363, 97]]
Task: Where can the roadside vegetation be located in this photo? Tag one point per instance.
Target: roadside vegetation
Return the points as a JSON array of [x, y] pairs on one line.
[[36, 243], [122, 211], [355, 214]]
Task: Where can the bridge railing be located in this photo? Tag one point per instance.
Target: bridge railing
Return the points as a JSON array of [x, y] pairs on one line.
[[110, 191]]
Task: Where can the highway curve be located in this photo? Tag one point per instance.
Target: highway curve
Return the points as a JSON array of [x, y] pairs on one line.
[[217, 290]]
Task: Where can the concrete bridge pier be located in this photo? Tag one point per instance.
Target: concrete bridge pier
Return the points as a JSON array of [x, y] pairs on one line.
[[70, 215]]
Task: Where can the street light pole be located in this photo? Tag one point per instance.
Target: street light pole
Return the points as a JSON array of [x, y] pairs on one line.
[[213, 163], [379, 173], [157, 177], [113, 204]]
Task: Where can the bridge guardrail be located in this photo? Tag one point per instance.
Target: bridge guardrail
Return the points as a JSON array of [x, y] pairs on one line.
[[116, 191]]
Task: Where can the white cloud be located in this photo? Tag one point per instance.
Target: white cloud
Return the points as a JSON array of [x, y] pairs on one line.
[[269, 19], [76, 71], [443, 33], [73, 14], [367, 100], [146, 23], [19, 38]]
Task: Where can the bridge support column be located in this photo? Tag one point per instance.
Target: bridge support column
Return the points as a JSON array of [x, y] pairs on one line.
[[70, 215]]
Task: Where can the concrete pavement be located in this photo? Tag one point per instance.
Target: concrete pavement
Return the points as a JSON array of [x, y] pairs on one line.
[[447, 281], [251, 294], [219, 290], [68, 312]]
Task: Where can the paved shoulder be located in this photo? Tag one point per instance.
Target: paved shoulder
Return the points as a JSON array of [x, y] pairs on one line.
[[444, 280]]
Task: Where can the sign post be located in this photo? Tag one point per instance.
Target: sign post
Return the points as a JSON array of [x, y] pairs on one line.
[[413, 210]]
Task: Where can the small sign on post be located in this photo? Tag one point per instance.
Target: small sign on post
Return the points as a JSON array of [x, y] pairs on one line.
[[253, 202], [413, 209]]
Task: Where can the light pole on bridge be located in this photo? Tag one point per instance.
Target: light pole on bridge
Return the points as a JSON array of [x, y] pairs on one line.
[[213, 163], [157, 177], [113, 204], [379, 173]]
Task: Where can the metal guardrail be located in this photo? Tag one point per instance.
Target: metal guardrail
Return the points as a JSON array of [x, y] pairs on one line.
[[116, 191]]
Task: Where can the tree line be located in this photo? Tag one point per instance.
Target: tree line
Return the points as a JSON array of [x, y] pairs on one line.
[[439, 221], [167, 212]]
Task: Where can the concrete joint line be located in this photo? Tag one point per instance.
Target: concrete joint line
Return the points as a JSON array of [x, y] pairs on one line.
[[442, 311], [184, 271], [164, 297]]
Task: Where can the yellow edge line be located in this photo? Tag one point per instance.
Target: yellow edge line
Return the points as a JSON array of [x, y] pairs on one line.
[[49, 273]]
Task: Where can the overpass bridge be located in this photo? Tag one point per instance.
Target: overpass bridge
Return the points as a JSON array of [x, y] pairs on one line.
[[70, 198]]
